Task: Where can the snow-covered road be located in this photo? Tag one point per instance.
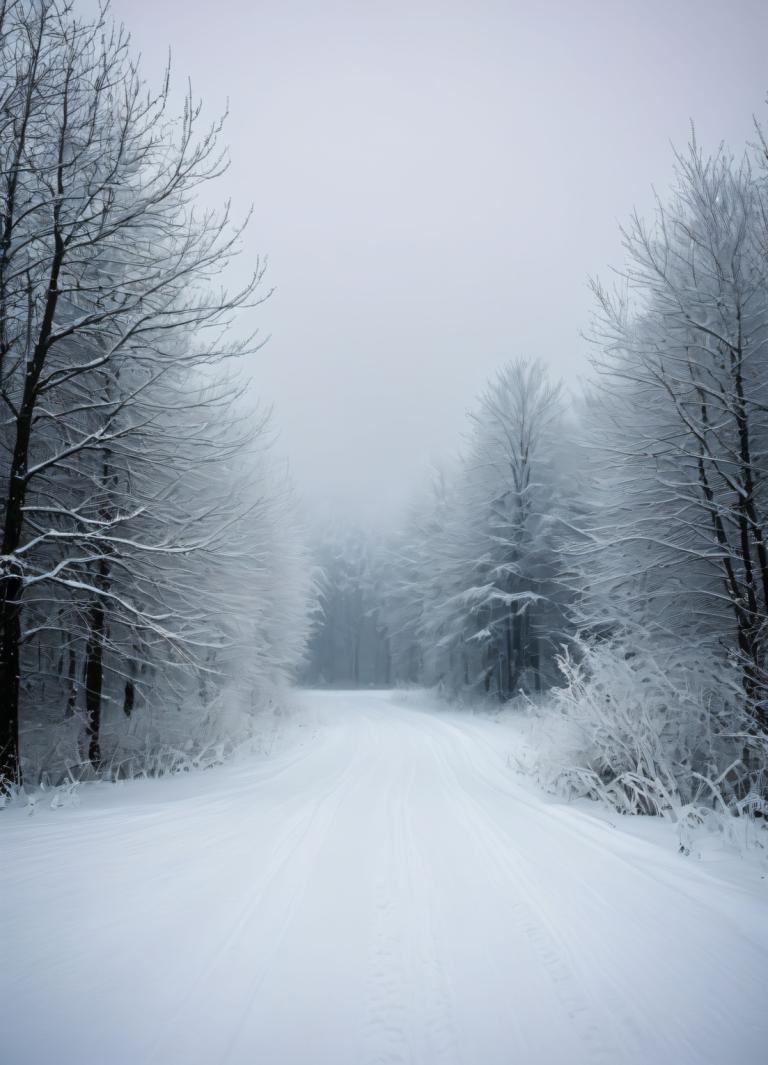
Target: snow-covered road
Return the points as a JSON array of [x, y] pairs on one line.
[[388, 892]]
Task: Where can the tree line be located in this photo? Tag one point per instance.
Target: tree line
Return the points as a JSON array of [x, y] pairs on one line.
[[611, 548], [151, 577]]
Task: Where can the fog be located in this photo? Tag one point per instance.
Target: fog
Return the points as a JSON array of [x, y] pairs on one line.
[[433, 183]]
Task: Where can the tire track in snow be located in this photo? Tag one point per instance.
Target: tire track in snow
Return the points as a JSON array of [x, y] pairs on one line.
[[385, 1030], [410, 1013], [592, 831], [439, 1006], [321, 822], [588, 1023], [295, 833], [305, 837]]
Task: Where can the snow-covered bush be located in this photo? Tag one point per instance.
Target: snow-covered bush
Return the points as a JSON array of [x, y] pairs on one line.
[[650, 733]]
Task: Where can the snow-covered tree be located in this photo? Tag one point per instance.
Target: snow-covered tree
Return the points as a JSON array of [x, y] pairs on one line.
[[479, 588], [350, 643], [124, 512], [515, 493], [671, 547], [679, 545]]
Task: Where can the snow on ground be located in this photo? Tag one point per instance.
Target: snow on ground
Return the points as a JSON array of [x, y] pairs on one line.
[[383, 889]]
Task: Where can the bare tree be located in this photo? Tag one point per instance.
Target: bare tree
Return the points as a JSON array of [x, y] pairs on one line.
[[679, 545], [106, 300]]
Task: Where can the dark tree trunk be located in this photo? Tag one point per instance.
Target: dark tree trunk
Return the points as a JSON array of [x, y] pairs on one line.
[[741, 593], [94, 667], [508, 648], [94, 681], [10, 639], [10, 578], [535, 659], [10, 606], [129, 697], [72, 681], [517, 652]]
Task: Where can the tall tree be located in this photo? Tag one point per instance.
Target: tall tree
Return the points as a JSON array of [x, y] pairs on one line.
[[105, 298], [477, 599], [678, 546]]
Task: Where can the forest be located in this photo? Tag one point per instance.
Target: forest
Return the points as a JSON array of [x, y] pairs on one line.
[[605, 550], [150, 557], [478, 773]]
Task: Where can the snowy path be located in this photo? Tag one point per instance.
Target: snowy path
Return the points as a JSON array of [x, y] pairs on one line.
[[387, 893]]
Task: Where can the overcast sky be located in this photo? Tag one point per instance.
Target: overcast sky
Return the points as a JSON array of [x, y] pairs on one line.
[[433, 183]]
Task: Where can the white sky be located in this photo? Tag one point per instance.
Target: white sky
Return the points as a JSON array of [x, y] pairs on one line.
[[433, 183]]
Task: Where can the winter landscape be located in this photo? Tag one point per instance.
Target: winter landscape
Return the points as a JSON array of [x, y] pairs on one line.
[[384, 515]]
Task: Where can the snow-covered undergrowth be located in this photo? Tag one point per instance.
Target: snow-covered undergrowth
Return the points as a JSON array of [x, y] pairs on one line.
[[546, 748], [631, 733], [165, 740]]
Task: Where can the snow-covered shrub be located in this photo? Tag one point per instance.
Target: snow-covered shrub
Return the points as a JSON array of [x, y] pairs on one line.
[[651, 734]]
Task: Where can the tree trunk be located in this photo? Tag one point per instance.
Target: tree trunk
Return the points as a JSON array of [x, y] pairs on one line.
[[94, 681], [129, 697], [535, 660], [10, 607], [10, 578], [94, 668], [72, 682], [508, 643], [387, 662], [517, 651], [10, 639]]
